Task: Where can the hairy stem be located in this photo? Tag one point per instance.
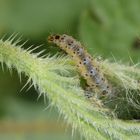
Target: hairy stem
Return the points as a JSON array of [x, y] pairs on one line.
[[56, 78]]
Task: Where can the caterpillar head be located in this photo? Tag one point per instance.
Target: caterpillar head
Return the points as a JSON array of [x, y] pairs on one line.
[[56, 38], [53, 38]]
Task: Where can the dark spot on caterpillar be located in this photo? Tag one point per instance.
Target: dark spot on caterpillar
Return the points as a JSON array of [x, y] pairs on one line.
[[57, 36], [107, 87], [97, 69], [50, 38], [103, 79], [88, 95], [80, 62], [62, 38], [104, 92], [69, 42], [91, 71], [90, 58], [86, 74], [78, 50], [97, 85], [84, 63], [64, 35]]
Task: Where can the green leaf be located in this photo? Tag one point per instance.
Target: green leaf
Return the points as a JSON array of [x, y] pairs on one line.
[[111, 28], [36, 18]]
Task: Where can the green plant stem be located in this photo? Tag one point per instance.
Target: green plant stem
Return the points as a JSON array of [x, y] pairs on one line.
[[66, 96]]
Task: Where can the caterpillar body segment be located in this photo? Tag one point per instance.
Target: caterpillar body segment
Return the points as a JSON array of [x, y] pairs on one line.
[[86, 65]]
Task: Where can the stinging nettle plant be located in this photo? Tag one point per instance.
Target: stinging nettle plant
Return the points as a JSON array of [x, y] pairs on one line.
[[56, 78]]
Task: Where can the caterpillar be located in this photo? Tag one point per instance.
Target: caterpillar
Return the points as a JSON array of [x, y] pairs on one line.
[[86, 65]]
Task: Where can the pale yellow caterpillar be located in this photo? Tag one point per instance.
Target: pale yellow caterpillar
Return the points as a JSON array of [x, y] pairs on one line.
[[87, 66]]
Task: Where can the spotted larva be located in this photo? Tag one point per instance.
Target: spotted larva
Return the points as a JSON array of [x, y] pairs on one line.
[[87, 66]]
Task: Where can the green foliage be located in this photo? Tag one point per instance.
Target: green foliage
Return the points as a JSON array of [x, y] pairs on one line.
[[56, 78], [111, 28], [126, 86], [35, 18], [108, 28]]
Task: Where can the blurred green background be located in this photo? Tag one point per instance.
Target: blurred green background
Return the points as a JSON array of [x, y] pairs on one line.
[[107, 28]]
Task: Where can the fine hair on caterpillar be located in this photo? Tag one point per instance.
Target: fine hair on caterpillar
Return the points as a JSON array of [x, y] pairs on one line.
[[86, 65]]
